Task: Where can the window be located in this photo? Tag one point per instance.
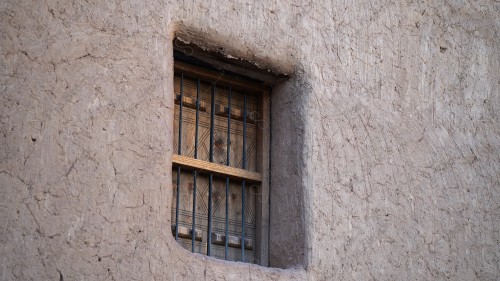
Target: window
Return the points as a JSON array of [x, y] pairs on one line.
[[220, 162]]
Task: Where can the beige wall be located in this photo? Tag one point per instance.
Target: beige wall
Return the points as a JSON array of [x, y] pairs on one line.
[[398, 152]]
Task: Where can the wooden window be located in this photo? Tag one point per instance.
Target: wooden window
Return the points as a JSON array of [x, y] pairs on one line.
[[220, 164]]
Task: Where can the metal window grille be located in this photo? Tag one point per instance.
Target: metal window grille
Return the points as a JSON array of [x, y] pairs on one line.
[[217, 170]]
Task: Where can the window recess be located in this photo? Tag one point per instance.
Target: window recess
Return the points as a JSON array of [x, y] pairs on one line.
[[220, 163]]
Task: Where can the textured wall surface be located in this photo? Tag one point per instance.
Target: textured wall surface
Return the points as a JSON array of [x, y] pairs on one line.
[[400, 154]]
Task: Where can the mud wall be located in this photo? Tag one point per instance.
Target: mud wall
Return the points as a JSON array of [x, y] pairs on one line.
[[393, 113]]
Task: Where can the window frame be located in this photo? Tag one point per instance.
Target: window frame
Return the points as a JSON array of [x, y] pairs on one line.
[[262, 176]]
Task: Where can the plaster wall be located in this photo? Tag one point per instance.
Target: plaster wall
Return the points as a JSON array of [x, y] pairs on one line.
[[393, 113]]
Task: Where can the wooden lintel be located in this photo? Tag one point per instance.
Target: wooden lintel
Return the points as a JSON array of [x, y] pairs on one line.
[[217, 169], [218, 76]]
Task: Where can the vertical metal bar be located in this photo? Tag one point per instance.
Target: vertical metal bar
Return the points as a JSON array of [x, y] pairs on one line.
[[269, 130], [177, 203], [179, 150], [212, 111], [209, 238], [210, 184], [197, 118], [243, 183], [228, 148], [244, 129], [229, 126], [193, 225]]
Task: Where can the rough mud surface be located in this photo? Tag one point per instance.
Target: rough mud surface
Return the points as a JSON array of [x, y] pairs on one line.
[[396, 113]]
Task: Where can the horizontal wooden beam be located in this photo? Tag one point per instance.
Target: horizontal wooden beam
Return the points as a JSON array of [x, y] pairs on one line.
[[217, 169], [218, 77], [218, 59]]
